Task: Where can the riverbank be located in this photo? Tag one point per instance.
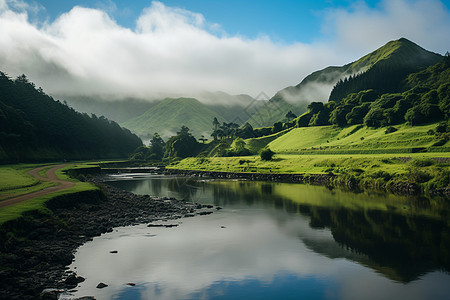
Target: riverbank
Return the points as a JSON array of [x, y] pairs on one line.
[[36, 248], [353, 179]]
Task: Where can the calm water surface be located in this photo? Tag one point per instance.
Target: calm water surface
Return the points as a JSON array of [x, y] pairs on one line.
[[273, 241]]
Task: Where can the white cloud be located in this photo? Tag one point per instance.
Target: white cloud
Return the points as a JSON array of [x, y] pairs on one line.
[[175, 51], [362, 29]]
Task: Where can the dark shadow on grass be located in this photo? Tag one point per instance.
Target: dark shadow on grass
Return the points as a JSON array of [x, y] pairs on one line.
[[277, 159]]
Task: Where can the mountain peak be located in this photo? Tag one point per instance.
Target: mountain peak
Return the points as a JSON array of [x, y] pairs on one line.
[[401, 56]]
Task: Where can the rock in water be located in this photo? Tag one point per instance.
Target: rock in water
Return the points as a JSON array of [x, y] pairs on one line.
[[101, 285], [50, 294], [73, 279]]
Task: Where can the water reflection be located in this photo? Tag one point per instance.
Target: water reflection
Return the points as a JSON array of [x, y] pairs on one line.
[[272, 239]]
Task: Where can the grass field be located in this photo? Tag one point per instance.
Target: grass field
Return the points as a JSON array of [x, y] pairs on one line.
[[357, 138], [372, 156], [16, 181], [308, 164]]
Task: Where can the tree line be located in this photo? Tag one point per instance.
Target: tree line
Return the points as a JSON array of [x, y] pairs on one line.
[[425, 98], [36, 127], [184, 144]]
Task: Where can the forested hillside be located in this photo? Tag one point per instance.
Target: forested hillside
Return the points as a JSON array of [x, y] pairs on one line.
[[419, 98], [35, 127], [383, 70], [394, 62]]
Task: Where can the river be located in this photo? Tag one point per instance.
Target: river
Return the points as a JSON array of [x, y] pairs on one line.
[[273, 241]]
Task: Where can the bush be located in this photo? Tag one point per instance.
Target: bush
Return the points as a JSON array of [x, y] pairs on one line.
[[422, 162], [374, 118], [357, 114], [390, 129], [441, 128], [441, 142], [267, 154], [418, 176], [304, 119]]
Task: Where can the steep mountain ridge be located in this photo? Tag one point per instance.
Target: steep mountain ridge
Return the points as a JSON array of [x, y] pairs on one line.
[[400, 54]]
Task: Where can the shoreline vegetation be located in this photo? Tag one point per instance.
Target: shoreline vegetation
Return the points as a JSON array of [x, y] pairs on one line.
[[414, 174]]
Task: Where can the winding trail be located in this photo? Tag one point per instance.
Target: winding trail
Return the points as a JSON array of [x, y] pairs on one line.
[[51, 176]]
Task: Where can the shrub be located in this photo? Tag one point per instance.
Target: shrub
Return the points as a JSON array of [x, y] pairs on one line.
[[243, 161], [418, 176], [304, 119], [267, 154], [374, 118], [441, 128], [441, 142], [422, 162], [390, 129], [357, 114]]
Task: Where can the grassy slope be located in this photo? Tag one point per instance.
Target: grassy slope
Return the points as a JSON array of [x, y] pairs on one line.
[[381, 156], [169, 115], [308, 164], [19, 172], [256, 144], [355, 138]]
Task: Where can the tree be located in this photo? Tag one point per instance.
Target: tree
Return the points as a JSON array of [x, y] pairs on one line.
[[246, 131], [315, 107], [239, 144], [157, 146], [290, 116], [182, 145], [374, 118], [338, 115], [357, 114], [304, 119], [320, 119], [277, 127], [203, 139], [216, 125], [267, 154]]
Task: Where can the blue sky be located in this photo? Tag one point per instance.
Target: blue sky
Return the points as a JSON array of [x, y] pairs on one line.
[[151, 49], [284, 21]]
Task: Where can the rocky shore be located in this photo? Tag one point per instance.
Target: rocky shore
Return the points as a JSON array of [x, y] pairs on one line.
[[36, 249]]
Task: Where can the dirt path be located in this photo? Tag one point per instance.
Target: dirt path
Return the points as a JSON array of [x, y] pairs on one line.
[[51, 176]]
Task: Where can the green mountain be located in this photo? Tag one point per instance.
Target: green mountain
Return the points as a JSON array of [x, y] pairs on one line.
[[35, 127], [421, 98], [169, 115], [233, 108], [385, 69], [118, 110], [391, 64]]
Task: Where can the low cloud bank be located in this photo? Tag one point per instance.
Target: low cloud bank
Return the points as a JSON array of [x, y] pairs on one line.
[[177, 52]]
